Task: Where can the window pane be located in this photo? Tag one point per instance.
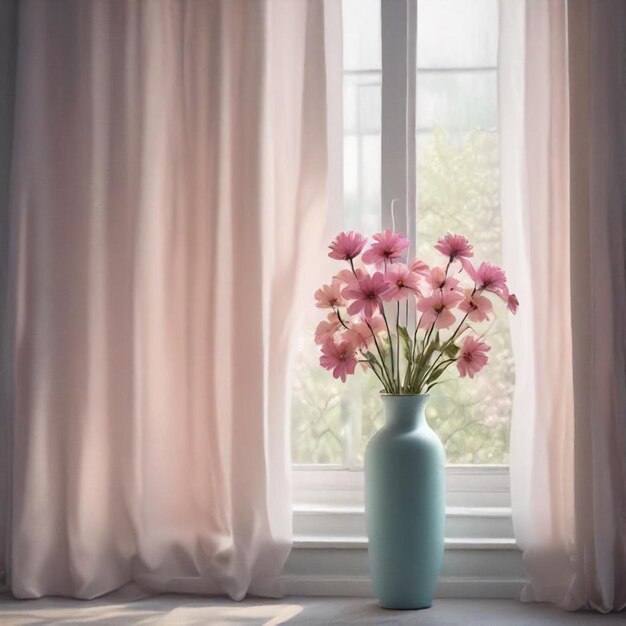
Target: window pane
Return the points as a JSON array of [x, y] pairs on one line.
[[459, 100], [362, 183], [457, 33], [361, 105], [458, 191]]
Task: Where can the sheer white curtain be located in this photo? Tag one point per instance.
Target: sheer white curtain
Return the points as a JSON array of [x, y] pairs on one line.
[[169, 183], [562, 133]]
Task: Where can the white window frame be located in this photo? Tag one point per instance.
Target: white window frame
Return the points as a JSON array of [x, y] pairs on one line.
[[398, 189], [328, 522]]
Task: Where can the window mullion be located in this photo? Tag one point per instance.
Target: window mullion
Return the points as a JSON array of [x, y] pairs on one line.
[[398, 33]]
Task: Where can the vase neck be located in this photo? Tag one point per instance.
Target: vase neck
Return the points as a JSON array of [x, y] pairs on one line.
[[405, 412]]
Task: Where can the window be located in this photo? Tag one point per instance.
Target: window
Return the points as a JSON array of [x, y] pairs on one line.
[[449, 179], [457, 181]]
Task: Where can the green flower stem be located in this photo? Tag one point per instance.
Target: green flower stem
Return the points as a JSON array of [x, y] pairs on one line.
[[381, 374], [389, 386], [429, 386], [451, 340], [398, 343], [407, 375], [417, 327], [339, 318], [428, 334], [393, 373], [373, 369], [422, 363], [432, 368]]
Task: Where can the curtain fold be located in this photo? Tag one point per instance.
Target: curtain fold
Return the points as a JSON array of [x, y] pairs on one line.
[[8, 54], [169, 188], [562, 160], [597, 62]]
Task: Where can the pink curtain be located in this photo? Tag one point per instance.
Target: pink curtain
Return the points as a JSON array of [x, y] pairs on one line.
[[8, 52], [562, 138], [169, 188], [597, 60]]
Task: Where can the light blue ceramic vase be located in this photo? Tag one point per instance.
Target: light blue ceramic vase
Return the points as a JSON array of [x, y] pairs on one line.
[[405, 505]]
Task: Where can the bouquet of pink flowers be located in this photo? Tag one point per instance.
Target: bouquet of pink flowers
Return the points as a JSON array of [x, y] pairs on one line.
[[406, 321]]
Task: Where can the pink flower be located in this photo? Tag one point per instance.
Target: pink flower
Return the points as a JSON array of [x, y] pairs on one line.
[[346, 246], [338, 357], [402, 282], [476, 306], [348, 276], [327, 328], [365, 293], [454, 247], [419, 267], [488, 277], [388, 246], [436, 308], [472, 356], [437, 279], [512, 303], [360, 333], [329, 296]]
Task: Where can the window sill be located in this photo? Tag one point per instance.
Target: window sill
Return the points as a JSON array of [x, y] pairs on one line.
[[347, 522], [476, 486], [329, 555], [353, 543], [338, 566]]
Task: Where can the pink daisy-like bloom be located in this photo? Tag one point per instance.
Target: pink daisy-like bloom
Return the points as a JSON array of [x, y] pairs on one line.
[[419, 267], [402, 282], [347, 246], [327, 328], [512, 303], [437, 279], [454, 247], [329, 296], [360, 333], [437, 308], [476, 306], [348, 276], [388, 246], [365, 294], [488, 277], [338, 357], [472, 356]]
